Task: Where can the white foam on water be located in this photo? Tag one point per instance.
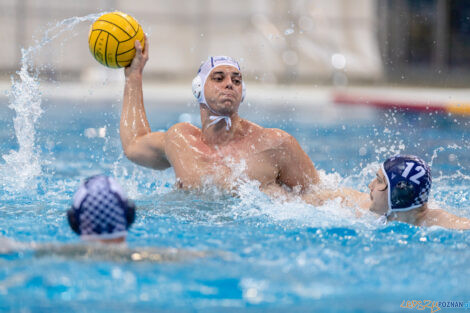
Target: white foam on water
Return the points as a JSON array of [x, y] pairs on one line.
[[21, 169], [254, 203]]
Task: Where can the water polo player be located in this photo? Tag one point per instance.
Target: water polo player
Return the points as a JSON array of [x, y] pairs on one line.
[[226, 148], [101, 211], [400, 192]]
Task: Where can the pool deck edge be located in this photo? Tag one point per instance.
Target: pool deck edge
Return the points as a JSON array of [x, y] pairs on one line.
[[450, 100]]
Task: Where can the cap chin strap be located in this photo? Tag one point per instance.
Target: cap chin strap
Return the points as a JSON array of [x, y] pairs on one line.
[[382, 220], [217, 117]]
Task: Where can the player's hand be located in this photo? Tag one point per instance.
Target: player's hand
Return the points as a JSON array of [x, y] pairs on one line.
[[141, 57]]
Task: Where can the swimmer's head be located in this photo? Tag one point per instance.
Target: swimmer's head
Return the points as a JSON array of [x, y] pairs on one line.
[[204, 72], [404, 181], [101, 210]]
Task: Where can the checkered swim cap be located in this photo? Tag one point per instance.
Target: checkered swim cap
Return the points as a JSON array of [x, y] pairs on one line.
[[409, 181], [101, 209]]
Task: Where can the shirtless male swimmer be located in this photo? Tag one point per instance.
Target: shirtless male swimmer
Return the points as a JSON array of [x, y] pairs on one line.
[[270, 156]]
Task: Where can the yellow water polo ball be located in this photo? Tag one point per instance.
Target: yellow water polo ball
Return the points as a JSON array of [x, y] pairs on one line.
[[112, 37]]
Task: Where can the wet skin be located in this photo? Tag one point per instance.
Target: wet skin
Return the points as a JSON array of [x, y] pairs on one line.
[[379, 194], [212, 155], [422, 216], [219, 157]]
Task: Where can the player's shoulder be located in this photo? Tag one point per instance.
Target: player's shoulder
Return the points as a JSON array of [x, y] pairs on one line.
[[267, 133], [182, 134], [184, 128], [277, 136], [271, 135]]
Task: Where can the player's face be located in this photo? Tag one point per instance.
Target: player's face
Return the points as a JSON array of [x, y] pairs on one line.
[[379, 193], [223, 89]]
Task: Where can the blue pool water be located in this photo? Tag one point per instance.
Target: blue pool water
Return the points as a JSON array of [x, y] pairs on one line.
[[264, 256], [261, 255]]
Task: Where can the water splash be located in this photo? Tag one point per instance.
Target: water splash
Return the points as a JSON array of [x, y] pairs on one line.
[[23, 166], [434, 154], [362, 179]]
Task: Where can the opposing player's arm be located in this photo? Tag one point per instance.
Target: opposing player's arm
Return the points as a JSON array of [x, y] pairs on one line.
[[295, 167], [439, 217], [355, 198], [139, 143]]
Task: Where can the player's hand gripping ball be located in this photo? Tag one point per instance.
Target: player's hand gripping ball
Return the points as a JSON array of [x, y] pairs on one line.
[[112, 37]]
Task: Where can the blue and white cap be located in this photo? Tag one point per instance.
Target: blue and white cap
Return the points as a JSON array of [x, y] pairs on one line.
[[199, 83], [101, 209], [409, 181]]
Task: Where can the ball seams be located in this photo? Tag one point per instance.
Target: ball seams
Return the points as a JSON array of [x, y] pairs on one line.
[[96, 41], [132, 36], [104, 30], [116, 26], [106, 51], [125, 20]]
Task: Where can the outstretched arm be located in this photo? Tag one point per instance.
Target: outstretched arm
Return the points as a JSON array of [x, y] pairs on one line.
[[140, 145], [439, 217], [349, 197]]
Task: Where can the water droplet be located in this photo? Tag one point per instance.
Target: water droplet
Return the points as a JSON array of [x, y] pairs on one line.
[[288, 31]]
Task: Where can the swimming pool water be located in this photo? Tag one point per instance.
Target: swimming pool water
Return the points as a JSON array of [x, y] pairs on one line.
[[263, 255]]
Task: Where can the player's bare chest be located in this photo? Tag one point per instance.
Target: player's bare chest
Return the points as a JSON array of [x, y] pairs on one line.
[[236, 151], [251, 159], [249, 151]]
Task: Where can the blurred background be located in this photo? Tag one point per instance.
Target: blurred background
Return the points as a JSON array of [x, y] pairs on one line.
[[308, 42]]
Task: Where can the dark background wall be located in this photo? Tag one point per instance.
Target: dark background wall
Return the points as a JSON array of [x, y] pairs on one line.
[[425, 41]]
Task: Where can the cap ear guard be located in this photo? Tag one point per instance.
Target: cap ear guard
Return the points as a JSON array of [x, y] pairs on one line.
[[402, 194], [130, 213], [197, 87], [73, 220]]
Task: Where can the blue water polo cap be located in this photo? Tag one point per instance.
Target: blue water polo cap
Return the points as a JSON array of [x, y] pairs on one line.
[[101, 209], [409, 181]]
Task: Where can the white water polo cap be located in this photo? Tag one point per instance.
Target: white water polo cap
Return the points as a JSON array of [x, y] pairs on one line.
[[199, 83], [205, 69]]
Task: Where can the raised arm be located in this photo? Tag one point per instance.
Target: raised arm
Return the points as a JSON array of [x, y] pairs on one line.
[[140, 145]]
